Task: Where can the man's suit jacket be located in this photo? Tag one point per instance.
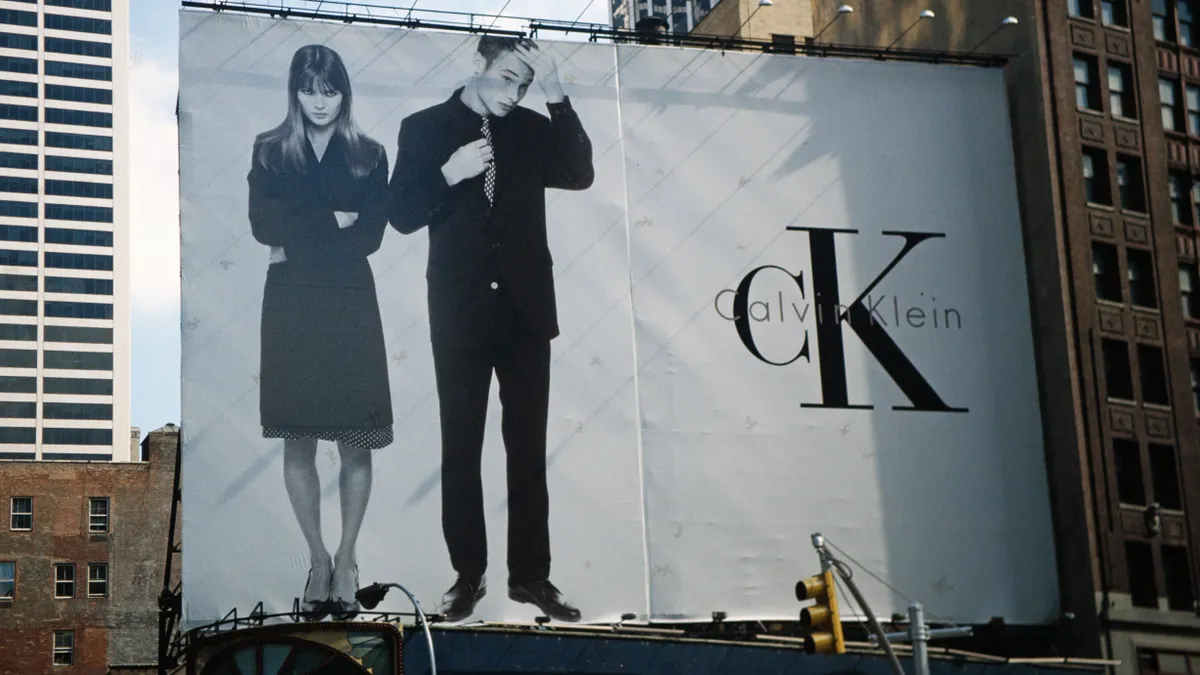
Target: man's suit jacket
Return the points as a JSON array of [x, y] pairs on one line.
[[477, 249]]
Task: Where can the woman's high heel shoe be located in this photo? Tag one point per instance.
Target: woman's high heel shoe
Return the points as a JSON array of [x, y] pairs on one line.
[[315, 609], [342, 604]]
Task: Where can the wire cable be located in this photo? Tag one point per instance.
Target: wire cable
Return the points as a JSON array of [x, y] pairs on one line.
[[585, 9], [880, 579], [496, 17]]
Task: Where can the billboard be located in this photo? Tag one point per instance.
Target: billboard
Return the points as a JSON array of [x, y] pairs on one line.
[[585, 330]]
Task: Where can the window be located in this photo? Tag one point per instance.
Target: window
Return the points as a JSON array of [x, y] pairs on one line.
[[79, 118], [1139, 563], [8, 579], [21, 113], [56, 235], [1121, 97], [12, 307], [18, 184], [97, 580], [79, 71], [23, 89], [1083, 9], [77, 436], [73, 188], [76, 47], [1095, 177], [18, 385], [56, 139], [83, 334], [78, 24], [18, 258], [1129, 184], [87, 214], [18, 136], [79, 285], [18, 358], [98, 511], [1114, 13], [1183, 10], [61, 92], [1127, 461], [77, 411], [64, 647], [15, 17], [18, 209], [100, 167], [21, 514], [82, 387], [18, 160], [18, 41], [1154, 375], [17, 64], [1164, 28], [1106, 272], [64, 580], [1187, 288], [1177, 579], [1116, 369], [1195, 368], [21, 435], [76, 261], [780, 44], [19, 233], [18, 331], [1164, 471], [1141, 278], [94, 5], [77, 360], [1087, 82], [1181, 210], [76, 310], [1192, 96], [18, 410]]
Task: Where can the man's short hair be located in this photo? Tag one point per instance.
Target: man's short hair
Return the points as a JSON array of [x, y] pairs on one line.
[[492, 47]]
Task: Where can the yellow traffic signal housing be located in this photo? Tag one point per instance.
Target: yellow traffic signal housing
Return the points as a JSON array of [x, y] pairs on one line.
[[822, 615]]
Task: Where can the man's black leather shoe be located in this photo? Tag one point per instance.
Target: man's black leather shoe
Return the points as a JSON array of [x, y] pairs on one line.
[[459, 602], [546, 597]]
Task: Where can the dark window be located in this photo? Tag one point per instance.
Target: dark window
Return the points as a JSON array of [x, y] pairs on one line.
[[17, 64], [80, 71], [79, 285], [77, 411], [1187, 288], [18, 41], [1105, 272], [62, 92], [782, 44], [1177, 579], [88, 214], [20, 435], [8, 579], [100, 167], [64, 647], [1139, 562], [1114, 13], [74, 188], [94, 5], [1128, 461], [1192, 99], [1095, 177], [1129, 183], [1164, 472], [77, 47], [76, 360], [18, 233], [1087, 82], [21, 410], [22, 113], [18, 184], [98, 513], [23, 332], [1116, 369], [1183, 10], [21, 512], [18, 160], [1181, 210], [56, 139], [77, 436], [56, 235], [79, 24], [77, 261], [79, 118], [24, 89], [1141, 278], [1083, 9], [16, 17], [18, 358], [1164, 20], [13, 307], [18, 385], [78, 310], [77, 386], [64, 580], [18, 258], [18, 209], [1154, 375], [97, 580], [18, 136], [80, 334]]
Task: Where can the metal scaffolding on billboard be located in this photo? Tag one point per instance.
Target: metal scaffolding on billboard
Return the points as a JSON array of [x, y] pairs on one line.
[[415, 18]]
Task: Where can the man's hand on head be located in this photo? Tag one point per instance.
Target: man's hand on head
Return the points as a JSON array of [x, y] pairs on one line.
[[545, 69]]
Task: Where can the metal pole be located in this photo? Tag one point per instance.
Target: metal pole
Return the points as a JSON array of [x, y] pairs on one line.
[[827, 561], [919, 634], [424, 624]]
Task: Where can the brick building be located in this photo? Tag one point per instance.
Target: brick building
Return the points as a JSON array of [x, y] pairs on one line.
[[82, 553], [1104, 99]]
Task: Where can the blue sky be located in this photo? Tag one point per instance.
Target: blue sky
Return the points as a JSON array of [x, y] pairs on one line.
[[154, 29]]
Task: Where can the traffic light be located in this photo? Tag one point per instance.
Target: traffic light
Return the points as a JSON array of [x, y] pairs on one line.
[[822, 619]]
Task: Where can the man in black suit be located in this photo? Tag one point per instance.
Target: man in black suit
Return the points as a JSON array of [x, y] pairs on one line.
[[474, 170]]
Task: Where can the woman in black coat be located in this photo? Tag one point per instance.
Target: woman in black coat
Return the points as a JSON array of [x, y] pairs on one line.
[[317, 198]]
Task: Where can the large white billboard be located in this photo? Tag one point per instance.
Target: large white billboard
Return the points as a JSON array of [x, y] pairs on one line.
[[585, 330]]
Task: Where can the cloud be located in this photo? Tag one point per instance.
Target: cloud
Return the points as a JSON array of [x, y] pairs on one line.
[[154, 185]]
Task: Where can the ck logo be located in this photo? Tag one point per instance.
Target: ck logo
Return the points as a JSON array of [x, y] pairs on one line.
[[862, 317]]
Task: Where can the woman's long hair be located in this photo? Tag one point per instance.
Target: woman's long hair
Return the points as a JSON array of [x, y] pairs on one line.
[[319, 68]]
